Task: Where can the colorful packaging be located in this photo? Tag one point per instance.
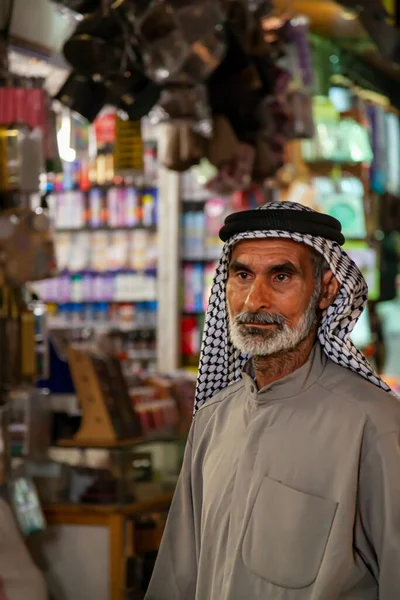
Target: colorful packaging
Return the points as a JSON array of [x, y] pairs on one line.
[[148, 207], [189, 292], [138, 252], [214, 210], [95, 208], [209, 273], [118, 250], [198, 287], [130, 200], [189, 336], [113, 202]]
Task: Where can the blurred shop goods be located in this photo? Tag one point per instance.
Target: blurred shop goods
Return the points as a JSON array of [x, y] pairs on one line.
[[121, 408], [20, 578], [230, 82], [27, 134], [107, 412], [381, 19], [25, 232]]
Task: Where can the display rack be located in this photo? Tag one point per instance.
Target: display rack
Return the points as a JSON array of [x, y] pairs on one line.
[[105, 232]]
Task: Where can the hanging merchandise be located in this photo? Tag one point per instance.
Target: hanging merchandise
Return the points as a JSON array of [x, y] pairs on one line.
[[353, 143], [210, 71], [343, 200], [389, 217], [336, 140], [389, 267], [103, 50], [23, 102], [393, 138], [80, 6], [128, 152], [22, 159], [26, 116], [25, 233], [298, 52], [367, 260], [180, 39], [376, 115], [82, 95]]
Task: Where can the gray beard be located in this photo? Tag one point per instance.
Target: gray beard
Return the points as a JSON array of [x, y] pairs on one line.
[[255, 341]]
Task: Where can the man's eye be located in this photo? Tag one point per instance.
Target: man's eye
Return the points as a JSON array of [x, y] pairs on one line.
[[281, 277], [242, 275]]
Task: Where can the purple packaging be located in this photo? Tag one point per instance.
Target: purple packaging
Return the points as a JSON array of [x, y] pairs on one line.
[[95, 206], [108, 287], [50, 289], [87, 287], [130, 205], [64, 288], [98, 288], [113, 202]]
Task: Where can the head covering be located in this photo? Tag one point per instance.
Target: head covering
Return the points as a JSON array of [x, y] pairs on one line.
[[220, 363]]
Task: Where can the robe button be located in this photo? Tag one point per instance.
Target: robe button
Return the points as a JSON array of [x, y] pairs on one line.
[[252, 389]]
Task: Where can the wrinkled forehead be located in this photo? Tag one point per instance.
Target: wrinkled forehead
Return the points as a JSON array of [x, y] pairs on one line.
[[271, 249]]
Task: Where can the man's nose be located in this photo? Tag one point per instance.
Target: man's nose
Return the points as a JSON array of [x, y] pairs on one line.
[[259, 296]]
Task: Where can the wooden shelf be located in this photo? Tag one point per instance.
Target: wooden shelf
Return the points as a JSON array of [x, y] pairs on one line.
[[118, 444], [158, 502]]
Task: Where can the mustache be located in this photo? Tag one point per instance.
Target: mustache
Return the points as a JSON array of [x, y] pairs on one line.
[[260, 318]]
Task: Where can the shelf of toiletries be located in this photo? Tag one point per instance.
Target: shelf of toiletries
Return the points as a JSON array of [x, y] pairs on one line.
[[129, 328], [201, 218], [200, 231], [105, 252], [105, 208], [97, 287]]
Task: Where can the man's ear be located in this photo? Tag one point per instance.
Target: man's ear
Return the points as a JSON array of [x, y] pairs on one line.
[[330, 289]]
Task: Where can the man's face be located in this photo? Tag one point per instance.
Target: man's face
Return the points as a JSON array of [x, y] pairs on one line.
[[273, 295]]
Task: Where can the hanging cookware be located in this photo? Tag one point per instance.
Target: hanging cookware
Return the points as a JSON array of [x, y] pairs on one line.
[[93, 55], [80, 6], [97, 45], [181, 147], [183, 101], [83, 95], [187, 39], [133, 93]]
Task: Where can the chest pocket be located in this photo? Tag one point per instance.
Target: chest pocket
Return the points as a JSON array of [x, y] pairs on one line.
[[287, 534]]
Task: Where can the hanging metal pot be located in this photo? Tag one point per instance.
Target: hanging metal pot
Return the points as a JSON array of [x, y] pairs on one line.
[[186, 39], [97, 46], [93, 55], [83, 95], [135, 94], [80, 6]]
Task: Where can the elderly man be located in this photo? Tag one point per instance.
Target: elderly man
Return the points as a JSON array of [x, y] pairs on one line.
[[290, 488]]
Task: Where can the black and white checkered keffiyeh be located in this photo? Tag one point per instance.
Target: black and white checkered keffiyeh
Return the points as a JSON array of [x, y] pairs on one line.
[[221, 364]]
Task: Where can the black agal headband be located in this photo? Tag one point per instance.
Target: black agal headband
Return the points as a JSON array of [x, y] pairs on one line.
[[307, 222]]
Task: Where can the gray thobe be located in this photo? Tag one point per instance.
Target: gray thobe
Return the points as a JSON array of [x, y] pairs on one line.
[[288, 493]]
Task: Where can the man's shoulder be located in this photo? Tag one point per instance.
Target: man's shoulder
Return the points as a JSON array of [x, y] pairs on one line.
[[380, 408], [230, 392]]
